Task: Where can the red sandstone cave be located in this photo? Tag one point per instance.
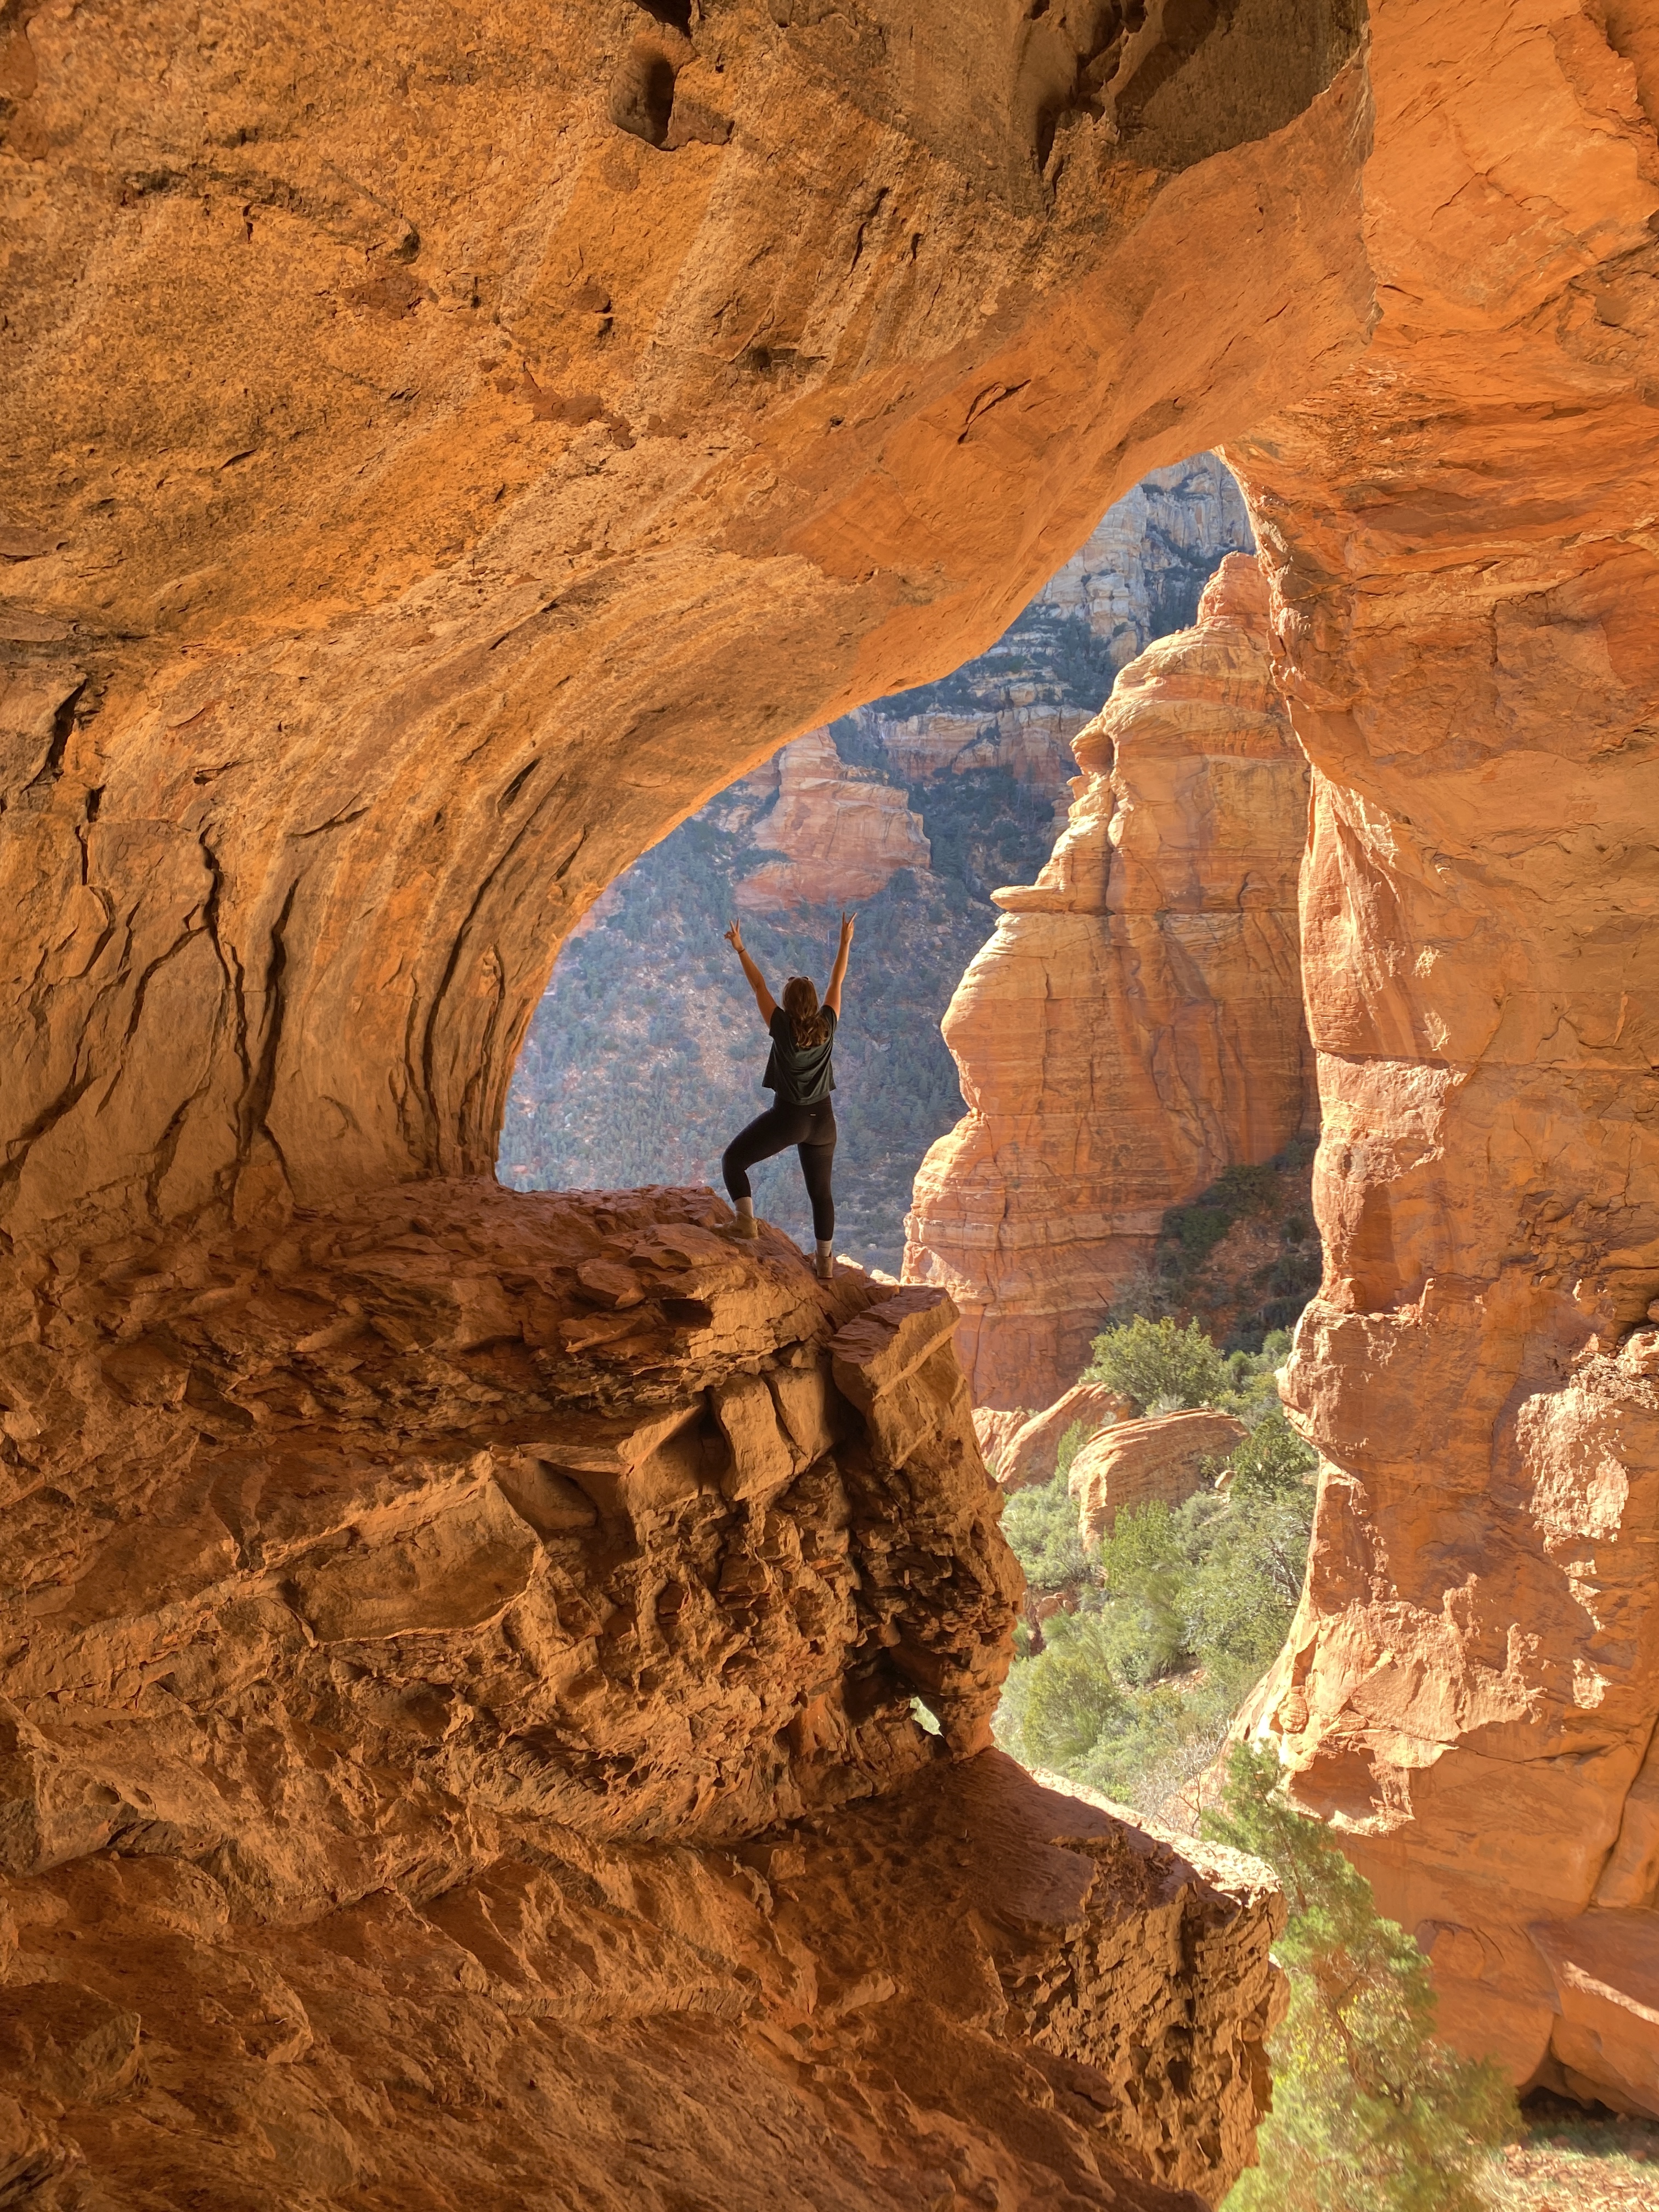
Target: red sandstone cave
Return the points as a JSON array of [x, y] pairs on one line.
[[458, 1646]]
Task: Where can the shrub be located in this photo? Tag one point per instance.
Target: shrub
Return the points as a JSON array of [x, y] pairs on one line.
[[1041, 1522], [1178, 1613], [1370, 2112], [1070, 1445], [1071, 1697], [1144, 1360]]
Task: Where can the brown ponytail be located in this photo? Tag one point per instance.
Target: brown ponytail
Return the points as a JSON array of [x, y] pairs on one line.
[[801, 1003]]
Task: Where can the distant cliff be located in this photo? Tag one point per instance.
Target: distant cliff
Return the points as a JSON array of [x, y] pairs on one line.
[[645, 1055], [1134, 1027]]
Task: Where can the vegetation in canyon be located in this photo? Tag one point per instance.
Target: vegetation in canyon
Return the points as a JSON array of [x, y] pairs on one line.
[[1161, 1631], [1369, 2111], [1243, 1257], [1163, 1628]]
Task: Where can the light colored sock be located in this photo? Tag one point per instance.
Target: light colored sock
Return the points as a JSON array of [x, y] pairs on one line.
[[745, 1209], [824, 1245]]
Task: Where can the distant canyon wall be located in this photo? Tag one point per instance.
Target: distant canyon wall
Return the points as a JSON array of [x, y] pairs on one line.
[[840, 834], [1135, 1024], [1021, 704]]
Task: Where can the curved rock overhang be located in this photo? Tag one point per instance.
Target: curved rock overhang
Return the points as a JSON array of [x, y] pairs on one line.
[[428, 489]]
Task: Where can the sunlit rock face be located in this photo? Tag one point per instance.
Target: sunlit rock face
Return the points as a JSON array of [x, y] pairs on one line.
[[1022, 1447], [1135, 1024], [839, 833], [1163, 1461], [1465, 589]]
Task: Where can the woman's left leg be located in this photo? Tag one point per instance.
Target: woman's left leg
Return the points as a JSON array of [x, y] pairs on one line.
[[817, 1155]]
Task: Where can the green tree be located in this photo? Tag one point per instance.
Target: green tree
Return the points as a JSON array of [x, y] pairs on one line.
[[1250, 1560], [1144, 1565], [1370, 2112], [1177, 1613], [1150, 1362]]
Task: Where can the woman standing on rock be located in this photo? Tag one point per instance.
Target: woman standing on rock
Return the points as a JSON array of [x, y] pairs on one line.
[[802, 1078]]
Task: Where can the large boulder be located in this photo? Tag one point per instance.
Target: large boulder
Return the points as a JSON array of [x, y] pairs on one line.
[[1029, 1452], [1162, 1459], [462, 1696]]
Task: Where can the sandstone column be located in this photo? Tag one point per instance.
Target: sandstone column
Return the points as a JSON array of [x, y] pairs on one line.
[[1466, 585], [1135, 1024]]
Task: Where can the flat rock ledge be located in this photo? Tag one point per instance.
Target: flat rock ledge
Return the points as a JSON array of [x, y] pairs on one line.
[[459, 1747]]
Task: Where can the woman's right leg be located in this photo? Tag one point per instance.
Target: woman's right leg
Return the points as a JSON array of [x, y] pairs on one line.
[[772, 1131]]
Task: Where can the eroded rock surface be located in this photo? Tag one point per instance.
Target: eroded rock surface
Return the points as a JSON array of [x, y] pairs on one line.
[[1162, 1460], [1026, 1449], [1135, 1024], [450, 1645], [840, 833], [1465, 587], [437, 470]]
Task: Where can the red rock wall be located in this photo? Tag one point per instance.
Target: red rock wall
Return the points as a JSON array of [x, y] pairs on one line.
[[1135, 1024], [1163, 1460], [1465, 586]]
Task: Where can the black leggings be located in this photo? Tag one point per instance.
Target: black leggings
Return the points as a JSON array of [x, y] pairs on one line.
[[811, 1130]]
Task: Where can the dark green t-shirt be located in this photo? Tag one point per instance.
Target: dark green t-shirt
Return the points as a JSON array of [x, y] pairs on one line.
[[801, 1074]]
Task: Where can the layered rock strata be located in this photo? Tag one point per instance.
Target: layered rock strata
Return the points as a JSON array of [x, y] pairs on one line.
[[456, 1646], [1138, 574], [840, 833], [1027, 1452], [1162, 1460], [993, 1425], [1135, 1024], [1465, 583]]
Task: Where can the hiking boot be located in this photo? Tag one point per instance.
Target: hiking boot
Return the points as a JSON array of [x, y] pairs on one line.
[[824, 1267], [747, 1226]]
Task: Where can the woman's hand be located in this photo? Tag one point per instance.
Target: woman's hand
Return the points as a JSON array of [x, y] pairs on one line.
[[734, 938], [847, 923]]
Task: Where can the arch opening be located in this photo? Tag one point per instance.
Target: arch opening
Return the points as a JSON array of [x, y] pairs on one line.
[[644, 1055]]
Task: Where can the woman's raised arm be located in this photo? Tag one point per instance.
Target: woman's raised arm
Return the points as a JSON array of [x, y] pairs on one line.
[[763, 998], [838, 973]]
